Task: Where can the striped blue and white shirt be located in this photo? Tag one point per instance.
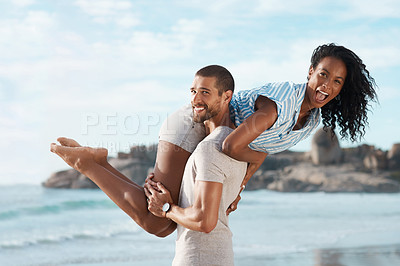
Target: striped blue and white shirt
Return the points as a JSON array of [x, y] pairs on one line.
[[288, 98]]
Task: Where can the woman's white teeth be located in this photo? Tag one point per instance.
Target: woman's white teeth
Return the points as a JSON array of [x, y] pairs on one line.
[[324, 93]]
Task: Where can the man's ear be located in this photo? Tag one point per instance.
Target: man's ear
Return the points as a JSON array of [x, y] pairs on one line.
[[228, 95]]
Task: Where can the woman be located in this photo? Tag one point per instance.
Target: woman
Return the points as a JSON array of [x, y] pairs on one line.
[[269, 119]]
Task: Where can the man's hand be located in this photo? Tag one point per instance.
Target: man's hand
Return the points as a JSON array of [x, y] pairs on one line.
[[156, 199], [149, 182]]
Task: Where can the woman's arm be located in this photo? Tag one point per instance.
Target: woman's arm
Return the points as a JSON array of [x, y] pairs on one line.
[[236, 144], [201, 216]]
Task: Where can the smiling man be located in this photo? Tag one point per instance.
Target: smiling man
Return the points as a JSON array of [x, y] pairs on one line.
[[211, 179]]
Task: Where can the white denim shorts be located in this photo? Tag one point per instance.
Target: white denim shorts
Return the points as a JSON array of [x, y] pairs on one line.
[[179, 129]]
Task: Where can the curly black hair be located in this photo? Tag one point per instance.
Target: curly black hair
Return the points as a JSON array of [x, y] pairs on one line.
[[349, 109]]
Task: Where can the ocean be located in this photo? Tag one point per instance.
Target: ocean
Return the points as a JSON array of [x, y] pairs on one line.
[[40, 226]]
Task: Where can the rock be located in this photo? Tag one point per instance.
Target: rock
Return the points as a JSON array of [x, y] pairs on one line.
[[325, 148], [306, 177], [261, 180], [393, 157], [375, 160], [276, 162], [62, 179], [83, 182], [144, 153]]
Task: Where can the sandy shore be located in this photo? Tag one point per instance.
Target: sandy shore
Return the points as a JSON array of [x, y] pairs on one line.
[[360, 256]]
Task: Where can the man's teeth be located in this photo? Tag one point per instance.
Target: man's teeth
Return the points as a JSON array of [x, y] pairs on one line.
[[198, 109]]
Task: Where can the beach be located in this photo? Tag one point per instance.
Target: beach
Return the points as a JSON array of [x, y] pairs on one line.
[[40, 226]]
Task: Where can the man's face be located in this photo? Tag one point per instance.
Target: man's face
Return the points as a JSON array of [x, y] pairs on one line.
[[206, 102], [325, 81]]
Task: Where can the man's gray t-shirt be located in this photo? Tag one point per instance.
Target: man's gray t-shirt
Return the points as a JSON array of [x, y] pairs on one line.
[[208, 163]]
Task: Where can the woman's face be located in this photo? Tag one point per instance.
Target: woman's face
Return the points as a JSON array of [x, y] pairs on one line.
[[325, 81]]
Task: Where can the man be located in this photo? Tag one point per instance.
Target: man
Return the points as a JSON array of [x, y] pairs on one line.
[[211, 180], [179, 136]]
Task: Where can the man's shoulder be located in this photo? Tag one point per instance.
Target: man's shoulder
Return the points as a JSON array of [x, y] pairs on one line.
[[210, 148], [215, 139], [211, 163]]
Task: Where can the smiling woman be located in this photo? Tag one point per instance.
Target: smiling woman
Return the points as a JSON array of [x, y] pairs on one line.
[[325, 81], [277, 116], [348, 109]]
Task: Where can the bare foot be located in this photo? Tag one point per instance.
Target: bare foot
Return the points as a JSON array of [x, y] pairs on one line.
[[68, 142], [99, 154], [79, 158]]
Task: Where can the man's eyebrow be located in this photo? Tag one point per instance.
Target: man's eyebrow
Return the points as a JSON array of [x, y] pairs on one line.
[[201, 88]]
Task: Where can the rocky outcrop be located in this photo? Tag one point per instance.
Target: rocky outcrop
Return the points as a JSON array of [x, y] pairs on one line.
[[375, 160], [307, 177], [325, 148], [331, 169], [326, 168], [393, 157]]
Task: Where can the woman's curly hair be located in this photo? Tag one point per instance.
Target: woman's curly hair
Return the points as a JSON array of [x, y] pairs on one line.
[[349, 109]]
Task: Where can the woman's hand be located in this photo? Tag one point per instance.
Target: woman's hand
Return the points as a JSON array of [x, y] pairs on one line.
[[251, 169]]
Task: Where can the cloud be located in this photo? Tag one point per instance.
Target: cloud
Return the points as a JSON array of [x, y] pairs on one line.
[[384, 56], [148, 95], [127, 21], [126, 71], [26, 38], [388, 93], [373, 9], [23, 3], [109, 11], [282, 61], [276, 7], [148, 47], [103, 8], [340, 9]]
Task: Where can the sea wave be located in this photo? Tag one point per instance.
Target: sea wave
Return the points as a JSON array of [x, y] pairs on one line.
[[56, 208], [78, 233]]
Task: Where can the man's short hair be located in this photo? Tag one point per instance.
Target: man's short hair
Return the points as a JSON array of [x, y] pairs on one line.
[[224, 78]]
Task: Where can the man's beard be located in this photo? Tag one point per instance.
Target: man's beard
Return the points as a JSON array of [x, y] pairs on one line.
[[209, 113]]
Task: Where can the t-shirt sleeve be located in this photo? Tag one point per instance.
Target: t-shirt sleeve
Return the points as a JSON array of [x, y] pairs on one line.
[[208, 162], [283, 95]]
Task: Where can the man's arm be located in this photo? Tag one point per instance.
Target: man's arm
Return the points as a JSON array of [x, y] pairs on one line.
[[201, 216]]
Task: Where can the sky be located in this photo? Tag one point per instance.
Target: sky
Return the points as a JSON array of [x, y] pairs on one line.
[[107, 73]]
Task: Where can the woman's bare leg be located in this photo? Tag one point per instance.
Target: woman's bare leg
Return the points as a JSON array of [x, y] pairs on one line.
[[129, 196], [99, 157], [168, 169]]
